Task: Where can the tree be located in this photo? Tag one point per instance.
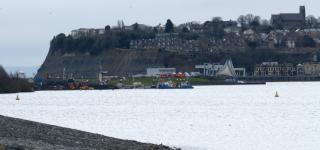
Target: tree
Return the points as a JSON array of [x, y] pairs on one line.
[[241, 20], [308, 41], [216, 19], [169, 26], [283, 41], [252, 45], [249, 18], [121, 25], [269, 29], [279, 26], [204, 42], [136, 26], [215, 28], [193, 36], [265, 22], [155, 30], [254, 24], [107, 27], [184, 29], [311, 21], [257, 19]]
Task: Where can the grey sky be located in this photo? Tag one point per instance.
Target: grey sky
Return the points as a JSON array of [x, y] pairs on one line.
[[26, 26]]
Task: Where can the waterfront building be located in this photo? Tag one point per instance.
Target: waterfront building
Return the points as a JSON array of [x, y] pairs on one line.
[[273, 68], [309, 68]]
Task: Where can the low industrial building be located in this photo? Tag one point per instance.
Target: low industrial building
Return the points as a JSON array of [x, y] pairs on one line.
[[154, 72]]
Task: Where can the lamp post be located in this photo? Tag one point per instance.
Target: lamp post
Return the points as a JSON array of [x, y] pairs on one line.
[[177, 82], [63, 73]]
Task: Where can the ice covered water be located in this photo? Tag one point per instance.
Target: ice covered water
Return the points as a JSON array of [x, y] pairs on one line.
[[206, 117]]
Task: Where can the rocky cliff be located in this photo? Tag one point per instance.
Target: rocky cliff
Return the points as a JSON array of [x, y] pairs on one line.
[[116, 62]]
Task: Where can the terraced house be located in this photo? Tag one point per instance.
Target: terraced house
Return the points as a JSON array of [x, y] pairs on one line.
[[167, 43], [273, 69]]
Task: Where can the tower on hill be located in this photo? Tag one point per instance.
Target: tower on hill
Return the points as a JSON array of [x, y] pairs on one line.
[[289, 19]]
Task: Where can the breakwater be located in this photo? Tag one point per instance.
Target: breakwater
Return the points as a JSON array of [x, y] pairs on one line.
[[23, 134]]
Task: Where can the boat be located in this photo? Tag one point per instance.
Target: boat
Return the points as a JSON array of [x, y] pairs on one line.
[[175, 85]]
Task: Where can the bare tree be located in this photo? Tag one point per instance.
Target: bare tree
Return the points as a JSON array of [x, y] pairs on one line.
[[216, 19], [265, 22], [123, 26], [119, 25], [215, 28], [257, 19], [249, 18], [241, 20], [311, 21]]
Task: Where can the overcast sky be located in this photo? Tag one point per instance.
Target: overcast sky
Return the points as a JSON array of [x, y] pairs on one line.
[[26, 26]]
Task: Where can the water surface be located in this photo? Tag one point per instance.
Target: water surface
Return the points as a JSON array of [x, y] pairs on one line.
[[207, 117]]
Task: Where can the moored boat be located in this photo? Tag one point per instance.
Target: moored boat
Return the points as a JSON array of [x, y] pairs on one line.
[[175, 85]]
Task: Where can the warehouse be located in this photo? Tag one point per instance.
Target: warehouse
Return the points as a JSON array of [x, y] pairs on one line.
[[154, 72]]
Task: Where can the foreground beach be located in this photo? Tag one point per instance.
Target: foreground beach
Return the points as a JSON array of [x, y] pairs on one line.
[[22, 134]]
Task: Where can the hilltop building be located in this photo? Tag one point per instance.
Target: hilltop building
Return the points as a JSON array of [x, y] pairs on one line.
[[290, 19], [86, 32]]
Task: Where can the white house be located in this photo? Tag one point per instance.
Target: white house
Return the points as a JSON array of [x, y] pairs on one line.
[[233, 29], [248, 32]]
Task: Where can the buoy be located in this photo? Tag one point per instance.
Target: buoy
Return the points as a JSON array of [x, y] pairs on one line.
[[277, 94], [17, 98]]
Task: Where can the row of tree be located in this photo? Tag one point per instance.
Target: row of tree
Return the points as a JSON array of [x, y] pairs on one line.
[[96, 44], [12, 84], [255, 21]]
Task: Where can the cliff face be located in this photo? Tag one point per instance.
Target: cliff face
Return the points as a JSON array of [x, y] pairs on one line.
[[116, 62]]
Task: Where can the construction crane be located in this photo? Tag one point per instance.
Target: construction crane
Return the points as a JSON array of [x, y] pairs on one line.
[[47, 76]]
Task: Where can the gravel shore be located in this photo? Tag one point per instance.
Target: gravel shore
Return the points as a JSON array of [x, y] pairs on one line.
[[28, 135]]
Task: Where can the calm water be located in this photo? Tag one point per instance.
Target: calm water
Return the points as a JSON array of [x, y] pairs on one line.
[[207, 117]]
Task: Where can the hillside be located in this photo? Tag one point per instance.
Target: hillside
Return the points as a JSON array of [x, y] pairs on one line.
[[124, 62], [116, 62]]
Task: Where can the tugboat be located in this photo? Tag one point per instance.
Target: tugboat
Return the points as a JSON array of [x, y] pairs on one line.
[[175, 85]]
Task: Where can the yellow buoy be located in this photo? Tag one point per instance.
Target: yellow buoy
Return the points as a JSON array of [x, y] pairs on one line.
[[17, 98], [277, 94]]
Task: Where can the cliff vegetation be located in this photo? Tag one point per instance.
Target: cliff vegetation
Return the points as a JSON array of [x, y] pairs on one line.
[[12, 84]]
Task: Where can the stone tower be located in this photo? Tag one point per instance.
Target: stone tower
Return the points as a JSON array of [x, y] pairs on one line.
[[303, 11]]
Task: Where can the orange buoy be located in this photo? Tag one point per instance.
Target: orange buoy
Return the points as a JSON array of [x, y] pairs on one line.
[[277, 94]]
